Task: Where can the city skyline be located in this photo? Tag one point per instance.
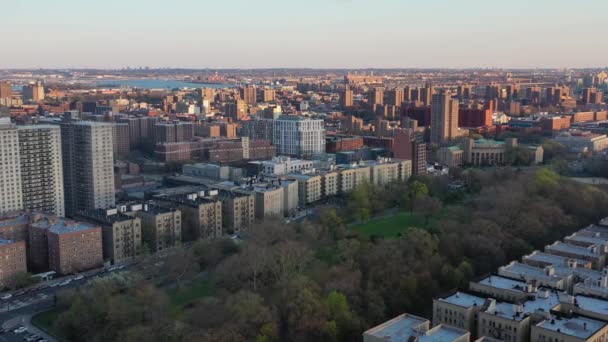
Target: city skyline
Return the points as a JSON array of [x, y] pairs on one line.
[[351, 34]]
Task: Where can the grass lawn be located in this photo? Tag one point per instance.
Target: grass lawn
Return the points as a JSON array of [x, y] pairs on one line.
[[390, 227], [188, 294], [44, 321]]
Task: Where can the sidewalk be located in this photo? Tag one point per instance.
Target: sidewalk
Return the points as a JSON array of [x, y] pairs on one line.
[[26, 321]]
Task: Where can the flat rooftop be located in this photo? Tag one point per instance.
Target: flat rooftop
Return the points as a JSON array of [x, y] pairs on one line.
[[597, 240], [399, 328], [579, 327], [62, 226], [464, 299], [503, 283], [592, 304], [527, 271], [571, 249], [543, 303], [442, 333], [552, 259]]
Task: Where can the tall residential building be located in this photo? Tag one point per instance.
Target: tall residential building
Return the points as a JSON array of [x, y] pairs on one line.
[[88, 165], [426, 94], [299, 136], [236, 110], [121, 143], [41, 168], [170, 132], [268, 95], [248, 94], [346, 100], [10, 167], [395, 97], [33, 92], [444, 118], [6, 91], [376, 96]]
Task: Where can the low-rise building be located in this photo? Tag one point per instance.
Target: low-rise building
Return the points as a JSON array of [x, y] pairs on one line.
[[12, 261], [352, 176], [502, 288], [593, 253], [201, 214], [546, 277], [122, 237], [451, 156], [413, 328], [290, 196], [269, 200], [74, 246], [161, 227], [309, 188], [569, 329], [238, 210], [459, 310]]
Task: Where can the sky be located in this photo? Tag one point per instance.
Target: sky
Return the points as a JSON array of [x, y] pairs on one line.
[[307, 33]]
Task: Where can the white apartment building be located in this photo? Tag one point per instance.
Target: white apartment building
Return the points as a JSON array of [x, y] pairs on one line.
[[41, 168], [10, 168], [298, 136]]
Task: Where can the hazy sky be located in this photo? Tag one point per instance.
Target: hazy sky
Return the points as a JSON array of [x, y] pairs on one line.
[[306, 33]]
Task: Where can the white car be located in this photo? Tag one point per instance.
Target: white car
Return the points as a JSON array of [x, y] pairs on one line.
[[7, 296], [78, 277], [20, 330]]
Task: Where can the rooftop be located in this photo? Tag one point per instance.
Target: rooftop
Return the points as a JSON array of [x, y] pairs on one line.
[[571, 249], [579, 327], [403, 327], [504, 283], [592, 304], [62, 226], [552, 259], [464, 299], [6, 242]]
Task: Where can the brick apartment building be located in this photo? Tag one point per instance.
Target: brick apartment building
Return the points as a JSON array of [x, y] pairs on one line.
[[12, 260]]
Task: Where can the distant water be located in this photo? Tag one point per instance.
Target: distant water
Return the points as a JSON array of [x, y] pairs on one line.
[[148, 84], [157, 84]]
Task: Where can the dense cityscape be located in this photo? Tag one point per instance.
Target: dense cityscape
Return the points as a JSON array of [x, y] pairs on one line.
[[328, 171]]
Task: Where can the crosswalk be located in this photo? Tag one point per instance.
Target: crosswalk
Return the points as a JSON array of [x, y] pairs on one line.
[[19, 303]]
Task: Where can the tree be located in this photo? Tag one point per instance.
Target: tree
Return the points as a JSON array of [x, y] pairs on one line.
[[428, 206], [180, 265], [415, 190]]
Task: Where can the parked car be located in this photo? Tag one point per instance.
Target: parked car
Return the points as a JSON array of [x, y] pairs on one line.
[[7, 296], [65, 282], [20, 330], [79, 277]]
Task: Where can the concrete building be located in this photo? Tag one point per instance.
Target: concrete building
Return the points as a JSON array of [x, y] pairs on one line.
[[291, 196], [309, 188], [12, 254], [547, 277], [41, 168], [594, 254], [385, 171], [33, 92], [121, 142], [270, 200], [459, 310], [10, 168], [258, 129], [238, 210], [122, 235], [578, 142], [282, 165], [413, 328], [451, 156], [352, 176], [213, 171], [444, 118], [161, 227], [201, 214], [172, 132], [569, 329], [484, 152], [502, 288], [330, 185], [88, 166], [298, 136]]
